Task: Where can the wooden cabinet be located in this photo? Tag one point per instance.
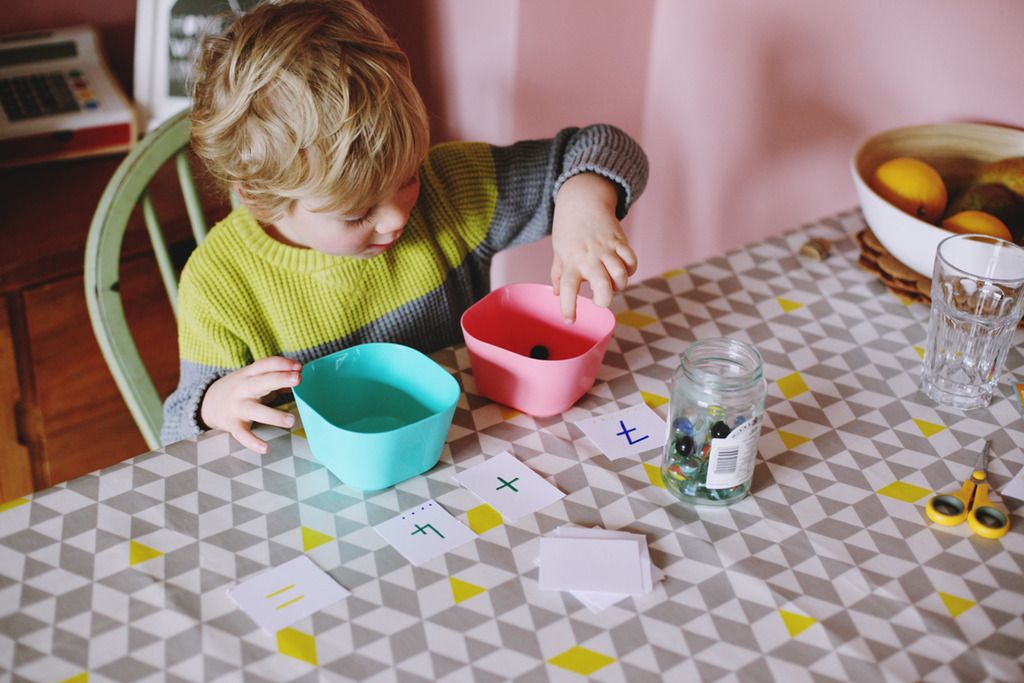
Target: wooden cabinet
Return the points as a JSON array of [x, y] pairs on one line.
[[15, 466], [62, 414]]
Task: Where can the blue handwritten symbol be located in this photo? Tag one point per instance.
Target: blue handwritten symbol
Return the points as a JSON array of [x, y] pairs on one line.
[[626, 433], [423, 530], [507, 484]]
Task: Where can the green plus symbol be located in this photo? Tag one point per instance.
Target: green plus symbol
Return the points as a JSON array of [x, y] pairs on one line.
[[508, 484], [423, 530]]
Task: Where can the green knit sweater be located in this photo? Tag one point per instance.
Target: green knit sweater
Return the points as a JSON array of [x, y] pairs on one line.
[[244, 296]]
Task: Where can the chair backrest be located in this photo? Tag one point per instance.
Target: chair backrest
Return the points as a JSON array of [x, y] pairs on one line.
[[127, 188]]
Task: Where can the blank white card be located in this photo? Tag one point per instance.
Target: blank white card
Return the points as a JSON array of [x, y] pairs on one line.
[[591, 564]]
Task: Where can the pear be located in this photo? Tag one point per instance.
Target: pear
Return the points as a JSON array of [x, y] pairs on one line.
[[992, 198], [1008, 172], [998, 189]]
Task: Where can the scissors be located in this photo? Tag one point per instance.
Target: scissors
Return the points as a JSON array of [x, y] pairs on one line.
[[987, 518]]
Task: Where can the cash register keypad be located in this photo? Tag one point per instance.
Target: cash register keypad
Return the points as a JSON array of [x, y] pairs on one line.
[[26, 97]]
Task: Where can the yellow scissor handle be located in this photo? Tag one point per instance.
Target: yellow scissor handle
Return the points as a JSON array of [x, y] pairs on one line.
[[988, 519], [951, 508]]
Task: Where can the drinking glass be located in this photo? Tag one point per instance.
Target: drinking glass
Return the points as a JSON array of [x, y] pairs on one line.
[[977, 301]]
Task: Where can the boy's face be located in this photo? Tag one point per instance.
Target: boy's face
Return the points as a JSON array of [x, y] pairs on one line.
[[340, 234]]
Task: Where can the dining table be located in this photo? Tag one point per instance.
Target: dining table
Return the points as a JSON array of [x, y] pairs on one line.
[[829, 570]]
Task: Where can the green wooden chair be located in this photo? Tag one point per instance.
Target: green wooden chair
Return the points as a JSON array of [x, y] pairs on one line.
[[127, 188]]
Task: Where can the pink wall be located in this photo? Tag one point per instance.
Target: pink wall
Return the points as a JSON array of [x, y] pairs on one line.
[[749, 110]]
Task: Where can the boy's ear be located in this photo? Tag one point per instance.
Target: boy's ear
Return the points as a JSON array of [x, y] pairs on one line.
[[240, 193], [238, 189]]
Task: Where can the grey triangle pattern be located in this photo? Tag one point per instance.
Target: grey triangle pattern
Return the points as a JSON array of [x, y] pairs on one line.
[[822, 573]]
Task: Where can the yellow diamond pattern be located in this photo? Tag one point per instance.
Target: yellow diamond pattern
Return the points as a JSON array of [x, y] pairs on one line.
[[796, 623], [78, 678], [788, 305], [955, 604], [901, 490], [11, 504], [299, 431], [920, 351], [790, 440], [654, 475], [581, 660], [928, 428], [138, 553], [634, 319], [483, 518], [792, 385], [464, 590], [509, 413], [668, 274], [653, 400], [311, 538], [297, 644]]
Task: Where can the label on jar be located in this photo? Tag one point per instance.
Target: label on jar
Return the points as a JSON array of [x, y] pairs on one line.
[[731, 460]]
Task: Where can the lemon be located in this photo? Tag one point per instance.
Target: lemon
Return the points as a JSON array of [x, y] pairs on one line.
[[913, 186], [977, 222]]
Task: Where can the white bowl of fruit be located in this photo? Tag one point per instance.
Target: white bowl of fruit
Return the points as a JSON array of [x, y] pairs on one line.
[[919, 184]]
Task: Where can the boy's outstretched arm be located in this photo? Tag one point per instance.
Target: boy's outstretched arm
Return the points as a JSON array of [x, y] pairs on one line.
[[588, 242], [235, 401]]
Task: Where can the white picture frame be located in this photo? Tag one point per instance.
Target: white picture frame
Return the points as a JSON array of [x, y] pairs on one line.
[[166, 35]]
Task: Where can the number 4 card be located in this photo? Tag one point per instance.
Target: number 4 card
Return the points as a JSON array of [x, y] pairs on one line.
[[424, 532], [626, 432], [508, 486]]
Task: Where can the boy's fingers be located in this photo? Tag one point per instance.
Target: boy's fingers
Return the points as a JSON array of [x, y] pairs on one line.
[[569, 288], [600, 283], [617, 271], [628, 256], [243, 434], [270, 416], [273, 364], [258, 386], [556, 275], [602, 289]]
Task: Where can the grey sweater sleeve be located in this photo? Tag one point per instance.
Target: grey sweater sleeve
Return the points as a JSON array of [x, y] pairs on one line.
[[530, 173], [181, 408]]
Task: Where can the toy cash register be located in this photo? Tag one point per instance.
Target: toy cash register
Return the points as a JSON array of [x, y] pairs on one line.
[[59, 99]]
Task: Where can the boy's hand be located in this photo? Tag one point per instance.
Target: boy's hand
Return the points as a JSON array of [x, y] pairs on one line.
[[589, 243], [234, 401]]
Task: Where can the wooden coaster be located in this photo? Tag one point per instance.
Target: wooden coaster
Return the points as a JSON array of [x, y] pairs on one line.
[[907, 284]]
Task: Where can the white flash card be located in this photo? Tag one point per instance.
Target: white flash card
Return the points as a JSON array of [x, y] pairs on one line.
[[424, 532], [650, 572], [508, 486], [597, 602], [629, 431], [605, 565], [281, 596]]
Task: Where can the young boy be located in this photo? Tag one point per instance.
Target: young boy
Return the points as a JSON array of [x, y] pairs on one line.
[[350, 230]]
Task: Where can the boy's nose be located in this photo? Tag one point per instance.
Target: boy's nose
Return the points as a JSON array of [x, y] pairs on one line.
[[390, 218]]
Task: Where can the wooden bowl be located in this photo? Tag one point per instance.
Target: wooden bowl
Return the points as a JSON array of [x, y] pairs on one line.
[[956, 150]]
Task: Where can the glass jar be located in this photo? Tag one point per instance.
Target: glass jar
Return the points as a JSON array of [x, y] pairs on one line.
[[715, 416]]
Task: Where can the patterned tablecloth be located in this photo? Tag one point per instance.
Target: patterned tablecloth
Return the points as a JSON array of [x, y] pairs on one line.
[[828, 571]]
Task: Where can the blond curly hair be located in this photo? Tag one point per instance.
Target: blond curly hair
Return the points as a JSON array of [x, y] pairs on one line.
[[307, 99]]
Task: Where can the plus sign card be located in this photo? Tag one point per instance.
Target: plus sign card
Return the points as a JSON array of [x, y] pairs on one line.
[[508, 486], [630, 431], [424, 532]]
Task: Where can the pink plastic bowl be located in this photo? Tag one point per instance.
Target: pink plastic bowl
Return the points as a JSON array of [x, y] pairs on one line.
[[503, 327]]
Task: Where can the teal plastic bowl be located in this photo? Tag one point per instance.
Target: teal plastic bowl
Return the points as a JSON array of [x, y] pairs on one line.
[[376, 414]]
